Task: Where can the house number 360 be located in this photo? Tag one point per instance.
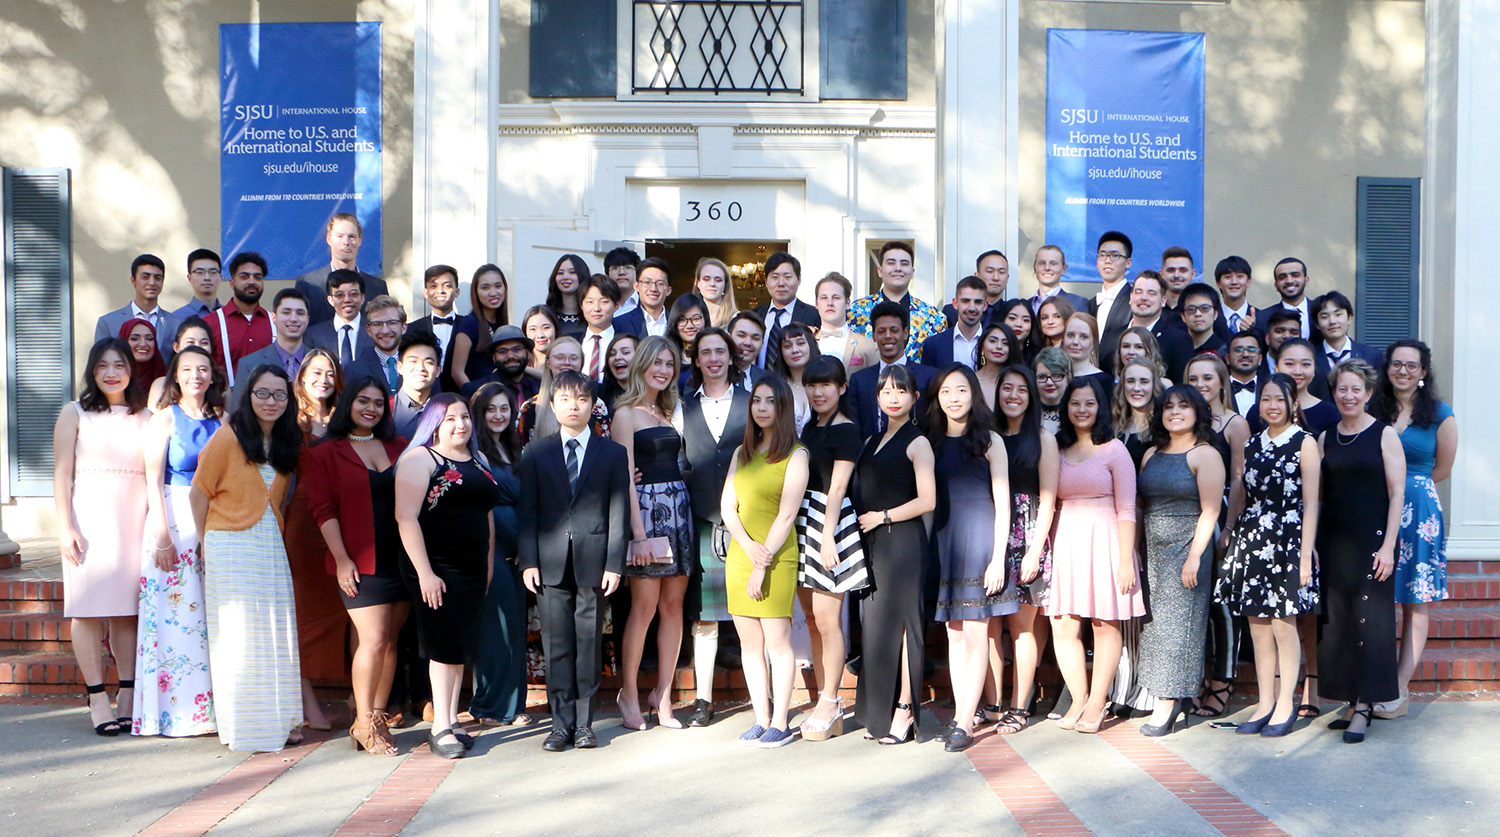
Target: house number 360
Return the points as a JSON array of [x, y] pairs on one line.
[[714, 211]]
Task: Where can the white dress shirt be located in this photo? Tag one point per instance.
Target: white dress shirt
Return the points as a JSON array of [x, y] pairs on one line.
[[583, 444], [628, 304], [1243, 400], [776, 317], [1304, 308], [1106, 299], [1336, 355], [443, 332], [715, 410], [154, 317], [603, 349], [965, 348], [655, 327]]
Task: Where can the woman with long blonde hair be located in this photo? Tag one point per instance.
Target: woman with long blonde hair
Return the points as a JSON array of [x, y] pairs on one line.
[[712, 284]]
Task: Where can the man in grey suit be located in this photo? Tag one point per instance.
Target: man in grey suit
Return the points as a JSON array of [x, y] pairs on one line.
[[343, 235], [290, 314], [344, 335], [147, 274]]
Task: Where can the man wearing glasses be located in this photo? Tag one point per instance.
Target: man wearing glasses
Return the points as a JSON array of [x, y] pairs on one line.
[[1200, 313], [1111, 306], [1246, 374], [653, 282], [385, 322], [345, 334], [204, 270]]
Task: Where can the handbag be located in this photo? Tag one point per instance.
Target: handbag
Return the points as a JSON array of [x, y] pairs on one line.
[[660, 548], [719, 541]]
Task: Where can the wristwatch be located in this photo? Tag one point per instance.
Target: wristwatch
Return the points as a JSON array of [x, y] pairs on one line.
[[887, 514]]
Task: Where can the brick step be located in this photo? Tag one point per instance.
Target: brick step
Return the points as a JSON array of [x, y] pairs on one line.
[[1471, 590], [45, 673], [1464, 623], [1473, 568], [9, 561], [35, 632], [31, 596], [1460, 664]]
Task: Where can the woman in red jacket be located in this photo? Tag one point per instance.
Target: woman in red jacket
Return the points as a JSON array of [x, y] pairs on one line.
[[352, 483]]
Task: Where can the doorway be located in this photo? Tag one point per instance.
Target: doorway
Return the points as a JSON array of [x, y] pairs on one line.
[[745, 259]]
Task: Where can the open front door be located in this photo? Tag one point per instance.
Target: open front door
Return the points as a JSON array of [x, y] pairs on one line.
[[537, 251]]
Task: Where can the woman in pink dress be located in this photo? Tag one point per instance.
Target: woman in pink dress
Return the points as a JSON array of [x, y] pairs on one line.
[[1094, 572], [99, 482]]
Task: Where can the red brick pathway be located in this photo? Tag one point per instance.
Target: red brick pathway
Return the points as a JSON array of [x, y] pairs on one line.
[[211, 805], [387, 811], [1031, 803]]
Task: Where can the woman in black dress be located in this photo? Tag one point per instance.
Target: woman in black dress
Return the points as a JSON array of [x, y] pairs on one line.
[[897, 487], [488, 293], [352, 492], [563, 293], [1364, 487], [831, 556], [444, 495]]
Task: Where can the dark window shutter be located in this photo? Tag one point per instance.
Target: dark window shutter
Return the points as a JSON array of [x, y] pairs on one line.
[[1387, 231], [862, 46], [572, 48], [39, 317]]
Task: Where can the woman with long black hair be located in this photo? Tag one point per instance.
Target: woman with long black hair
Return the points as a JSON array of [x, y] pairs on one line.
[[488, 293], [565, 293]]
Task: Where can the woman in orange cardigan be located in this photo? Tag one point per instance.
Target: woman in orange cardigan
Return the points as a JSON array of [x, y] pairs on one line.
[[352, 486], [239, 494]]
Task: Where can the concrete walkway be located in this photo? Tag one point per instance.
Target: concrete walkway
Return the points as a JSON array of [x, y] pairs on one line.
[[1432, 772]]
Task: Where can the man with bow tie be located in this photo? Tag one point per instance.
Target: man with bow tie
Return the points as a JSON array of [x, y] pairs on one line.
[[1245, 370], [440, 289]]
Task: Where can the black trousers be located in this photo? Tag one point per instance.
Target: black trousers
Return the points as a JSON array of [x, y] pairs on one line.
[[572, 638]]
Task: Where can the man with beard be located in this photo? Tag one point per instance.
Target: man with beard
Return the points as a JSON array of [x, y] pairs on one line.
[[1290, 275], [385, 322], [510, 349], [1246, 374], [242, 326]]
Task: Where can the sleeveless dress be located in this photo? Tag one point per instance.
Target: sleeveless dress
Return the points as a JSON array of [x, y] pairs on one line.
[[384, 586], [1026, 498], [1224, 632], [109, 512], [757, 491], [1171, 643], [964, 530], [1093, 498], [666, 509], [1357, 647], [827, 445], [455, 530], [175, 693], [1422, 551], [893, 605], [500, 671], [1260, 575]]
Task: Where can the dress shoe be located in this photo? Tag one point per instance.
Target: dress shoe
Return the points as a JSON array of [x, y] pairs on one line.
[[584, 738], [557, 741], [464, 738], [447, 751], [957, 741], [703, 713]]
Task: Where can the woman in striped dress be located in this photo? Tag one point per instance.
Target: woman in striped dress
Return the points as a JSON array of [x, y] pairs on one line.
[[239, 491], [832, 556]]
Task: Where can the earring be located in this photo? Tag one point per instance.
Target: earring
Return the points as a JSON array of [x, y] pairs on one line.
[[1421, 383]]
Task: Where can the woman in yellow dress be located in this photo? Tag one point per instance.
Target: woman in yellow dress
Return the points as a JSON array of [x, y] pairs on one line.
[[762, 495]]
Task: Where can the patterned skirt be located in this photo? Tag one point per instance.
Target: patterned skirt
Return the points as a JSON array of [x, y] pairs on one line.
[[667, 513], [252, 636], [175, 696], [1422, 548], [1023, 511], [851, 572]]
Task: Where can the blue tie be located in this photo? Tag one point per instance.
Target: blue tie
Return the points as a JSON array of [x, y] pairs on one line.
[[392, 380], [572, 464]]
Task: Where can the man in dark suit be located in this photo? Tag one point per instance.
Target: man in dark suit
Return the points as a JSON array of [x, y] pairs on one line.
[[993, 269], [289, 311], [648, 318], [1147, 293], [575, 507], [1246, 373], [713, 426], [344, 335], [1199, 307], [1290, 275], [783, 278], [343, 235], [385, 323], [1236, 314], [961, 341], [147, 275], [1048, 266], [1334, 314], [440, 289], [890, 323], [1110, 307], [748, 331]]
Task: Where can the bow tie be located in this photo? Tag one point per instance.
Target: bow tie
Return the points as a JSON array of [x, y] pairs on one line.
[[443, 320], [831, 332], [1236, 387]]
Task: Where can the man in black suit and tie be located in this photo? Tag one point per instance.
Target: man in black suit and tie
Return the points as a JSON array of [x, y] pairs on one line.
[[890, 322], [961, 341], [1290, 275], [575, 507], [1147, 294], [748, 331], [1236, 314], [1110, 307], [344, 335], [1246, 373], [1335, 313], [440, 289], [1199, 306], [343, 235], [783, 278], [648, 318], [713, 426]]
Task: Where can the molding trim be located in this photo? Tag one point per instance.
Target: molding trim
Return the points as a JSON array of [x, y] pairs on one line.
[[594, 115]]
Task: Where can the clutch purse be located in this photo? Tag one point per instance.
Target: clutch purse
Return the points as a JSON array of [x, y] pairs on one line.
[[660, 548]]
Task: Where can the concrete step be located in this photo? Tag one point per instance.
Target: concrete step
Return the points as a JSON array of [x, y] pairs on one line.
[[35, 632]]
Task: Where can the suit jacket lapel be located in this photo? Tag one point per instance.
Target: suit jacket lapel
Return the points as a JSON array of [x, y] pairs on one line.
[[591, 453]]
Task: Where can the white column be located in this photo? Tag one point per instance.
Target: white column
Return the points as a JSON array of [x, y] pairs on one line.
[[456, 64], [1463, 175], [977, 103]]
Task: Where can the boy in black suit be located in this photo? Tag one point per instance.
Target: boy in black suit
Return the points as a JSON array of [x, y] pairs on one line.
[[574, 530]]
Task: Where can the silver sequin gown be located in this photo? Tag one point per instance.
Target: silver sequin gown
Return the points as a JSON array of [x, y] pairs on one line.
[[1171, 645]]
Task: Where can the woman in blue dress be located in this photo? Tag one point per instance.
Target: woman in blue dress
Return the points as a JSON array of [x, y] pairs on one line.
[[1407, 399]]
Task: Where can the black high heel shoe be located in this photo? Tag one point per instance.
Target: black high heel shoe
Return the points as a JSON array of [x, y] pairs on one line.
[[1352, 737], [127, 720], [909, 735], [108, 729], [1159, 730]]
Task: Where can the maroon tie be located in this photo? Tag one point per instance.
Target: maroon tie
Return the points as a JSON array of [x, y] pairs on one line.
[[594, 360]]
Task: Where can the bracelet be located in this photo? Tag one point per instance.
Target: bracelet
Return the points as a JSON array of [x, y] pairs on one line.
[[167, 548]]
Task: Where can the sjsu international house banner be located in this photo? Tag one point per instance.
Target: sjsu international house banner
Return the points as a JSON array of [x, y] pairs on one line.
[[1124, 143], [299, 129]]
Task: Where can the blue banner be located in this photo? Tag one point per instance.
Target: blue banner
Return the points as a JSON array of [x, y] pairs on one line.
[[299, 140], [1124, 143]]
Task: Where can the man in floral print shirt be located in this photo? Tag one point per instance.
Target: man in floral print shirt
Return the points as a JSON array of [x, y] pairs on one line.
[[895, 277]]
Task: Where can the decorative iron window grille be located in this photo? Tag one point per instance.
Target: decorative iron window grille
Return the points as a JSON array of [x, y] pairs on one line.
[[717, 46]]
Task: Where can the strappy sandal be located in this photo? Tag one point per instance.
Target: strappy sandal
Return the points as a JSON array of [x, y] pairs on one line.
[[1201, 709], [108, 729], [982, 714], [1308, 710], [1013, 721]]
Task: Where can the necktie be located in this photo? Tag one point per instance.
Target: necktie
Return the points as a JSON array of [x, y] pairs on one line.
[[346, 351], [1234, 322], [594, 361], [772, 347], [572, 464], [391, 378], [1335, 357]]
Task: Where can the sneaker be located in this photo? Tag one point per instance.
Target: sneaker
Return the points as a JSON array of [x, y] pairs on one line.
[[774, 737], [752, 736]]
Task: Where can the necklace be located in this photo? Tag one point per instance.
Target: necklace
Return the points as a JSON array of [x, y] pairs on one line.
[[365, 438], [1339, 435]]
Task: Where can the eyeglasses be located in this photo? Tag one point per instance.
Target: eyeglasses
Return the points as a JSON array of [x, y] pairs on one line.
[[694, 320], [345, 295], [1245, 350], [1107, 256], [1052, 379], [1406, 366], [1197, 309], [385, 323], [267, 395], [205, 272]]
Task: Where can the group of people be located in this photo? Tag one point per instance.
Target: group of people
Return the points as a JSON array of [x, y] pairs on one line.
[[1144, 469]]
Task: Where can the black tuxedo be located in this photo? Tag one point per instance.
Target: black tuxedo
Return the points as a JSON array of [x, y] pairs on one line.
[[1109, 332], [446, 376], [937, 350], [573, 539], [861, 404], [314, 284], [1261, 376], [1175, 344], [1309, 322]]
